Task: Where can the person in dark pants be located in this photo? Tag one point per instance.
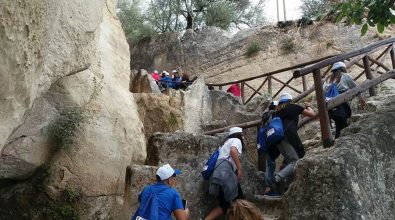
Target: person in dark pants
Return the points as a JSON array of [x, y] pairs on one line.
[[343, 82], [289, 114]]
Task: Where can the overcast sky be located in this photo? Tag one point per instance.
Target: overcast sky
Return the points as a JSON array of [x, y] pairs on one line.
[[292, 9]]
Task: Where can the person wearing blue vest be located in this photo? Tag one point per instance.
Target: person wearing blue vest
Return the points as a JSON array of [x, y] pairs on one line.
[[168, 199], [290, 147]]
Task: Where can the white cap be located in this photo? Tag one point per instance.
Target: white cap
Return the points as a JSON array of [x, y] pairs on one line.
[[338, 65], [285, 97], [174, 71], [166, 73], [155, 71], [275, 103], [166, 171], [235, 130]]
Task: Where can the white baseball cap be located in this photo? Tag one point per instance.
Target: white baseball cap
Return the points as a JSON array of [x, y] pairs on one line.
[[338, 65], [235, 130], [285, 97], [166, 73], [274, 103], [166, 171], [174, 71]]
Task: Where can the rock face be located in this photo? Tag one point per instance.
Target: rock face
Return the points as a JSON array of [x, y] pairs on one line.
[[58, 56], [189, 153], [142, 82], [221, 57], [352, 180]]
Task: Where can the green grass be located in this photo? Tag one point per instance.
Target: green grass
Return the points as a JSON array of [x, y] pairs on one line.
[[253, 49]]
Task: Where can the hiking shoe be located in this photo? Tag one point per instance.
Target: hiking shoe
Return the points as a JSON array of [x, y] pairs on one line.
[[272, 194]]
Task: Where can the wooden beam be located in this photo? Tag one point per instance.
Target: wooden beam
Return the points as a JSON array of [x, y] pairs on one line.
[[242, 93], [252, 88], [282, 87], [351, 93], [269, 85], [286, 84], [263, 83], [369, 74], [304, 83], [322, 111], [379, 64], [241, 125], [392, 53], [274, 72], [341, 57]]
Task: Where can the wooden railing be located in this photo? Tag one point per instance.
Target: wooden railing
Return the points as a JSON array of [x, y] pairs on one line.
[[269, 79], [370, 69]]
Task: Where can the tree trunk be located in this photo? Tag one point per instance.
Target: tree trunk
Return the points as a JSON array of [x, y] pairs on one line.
[[189, 21]]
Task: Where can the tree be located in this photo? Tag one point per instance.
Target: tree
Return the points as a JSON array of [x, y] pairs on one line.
[[315, 9], [372, 13], [133, 22]]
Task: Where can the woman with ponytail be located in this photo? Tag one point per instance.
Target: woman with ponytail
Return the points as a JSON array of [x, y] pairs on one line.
[[291, 147]]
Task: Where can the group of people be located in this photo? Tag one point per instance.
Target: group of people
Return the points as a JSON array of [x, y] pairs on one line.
[[166, 81], [224, 183]]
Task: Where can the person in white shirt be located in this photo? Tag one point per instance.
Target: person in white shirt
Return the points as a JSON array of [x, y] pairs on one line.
[[224, 183]]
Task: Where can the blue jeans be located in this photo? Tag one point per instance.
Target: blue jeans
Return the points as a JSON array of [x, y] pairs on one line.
[[270, 168]]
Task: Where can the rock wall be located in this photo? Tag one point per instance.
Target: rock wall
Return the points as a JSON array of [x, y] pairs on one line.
[[58, 56], [353, 179]]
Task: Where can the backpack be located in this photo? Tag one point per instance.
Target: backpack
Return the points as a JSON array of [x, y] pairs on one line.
[[150, 209], [275, 131], [262, 145], [209, 167], [331, 92]]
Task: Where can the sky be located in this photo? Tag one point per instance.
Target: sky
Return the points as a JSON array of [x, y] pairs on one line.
[[292, 9]]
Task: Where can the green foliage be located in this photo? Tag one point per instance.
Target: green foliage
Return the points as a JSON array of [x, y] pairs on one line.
[[288, 45], [172, 120], [71, 195], [175, 15], [65, 128], [133, 22], [221, 15], [367, 12], [315, 9], [253, 49], [63, 212]]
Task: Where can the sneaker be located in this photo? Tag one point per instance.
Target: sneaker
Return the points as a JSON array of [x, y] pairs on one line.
[[272, 194]]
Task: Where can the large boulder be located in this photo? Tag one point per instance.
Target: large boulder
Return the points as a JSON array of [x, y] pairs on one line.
[[65, 64], [353, 179]]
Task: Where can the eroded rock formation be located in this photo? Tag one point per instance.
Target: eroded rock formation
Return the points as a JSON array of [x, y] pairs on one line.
[[60, 59]]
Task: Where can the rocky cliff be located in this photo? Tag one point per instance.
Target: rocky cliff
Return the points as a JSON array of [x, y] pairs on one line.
[[70, 126]]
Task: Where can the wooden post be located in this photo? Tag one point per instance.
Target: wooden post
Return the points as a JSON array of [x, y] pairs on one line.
[[304, 83], [392, 53], [126, 195], [322, 110], [369, 74], [269, 85], [242, 93], [220, 88], [278, 16]]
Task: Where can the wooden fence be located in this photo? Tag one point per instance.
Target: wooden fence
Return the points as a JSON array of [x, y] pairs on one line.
[[372, 67]]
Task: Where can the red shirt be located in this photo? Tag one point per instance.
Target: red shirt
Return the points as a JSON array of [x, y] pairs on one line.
[[234, 89], [155, 76]]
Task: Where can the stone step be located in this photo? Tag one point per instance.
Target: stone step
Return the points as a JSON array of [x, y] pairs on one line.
[[270, 207]]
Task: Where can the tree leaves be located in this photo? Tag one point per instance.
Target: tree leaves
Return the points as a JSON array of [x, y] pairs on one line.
[[364, 29]]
